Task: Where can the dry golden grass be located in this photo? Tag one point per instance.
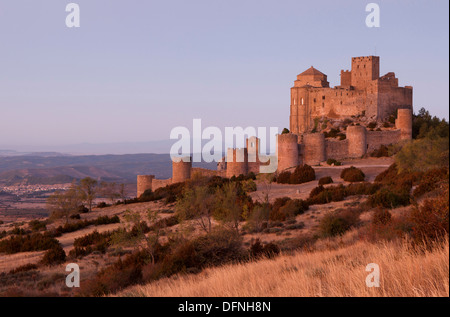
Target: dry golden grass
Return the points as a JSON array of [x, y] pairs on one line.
[[341, 272]]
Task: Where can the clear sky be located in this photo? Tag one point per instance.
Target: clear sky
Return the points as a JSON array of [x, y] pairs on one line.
[[135, 69]]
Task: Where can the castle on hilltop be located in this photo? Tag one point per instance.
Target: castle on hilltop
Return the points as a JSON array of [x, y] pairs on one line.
[[362, 91], [348, 121]]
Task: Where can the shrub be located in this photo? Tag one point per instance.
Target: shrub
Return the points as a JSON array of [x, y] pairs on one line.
[[36, 225], [332, 133], [325, 180], [285, 131], [54, 256], [75, 217], [334, 162], [388, 198], [372, 125], [83, 209], [381, 216], [302, 174], [382, 151], [337, 223], [384, 227], [361, 188], [431, 220], [28, 243], [258, 250], [284, 177], [293, 208], [316, 191], [321, 195], [249, 186], [423, 154], [18, 231], [24, 268], [431, 180], [352, 174], [102, 205]]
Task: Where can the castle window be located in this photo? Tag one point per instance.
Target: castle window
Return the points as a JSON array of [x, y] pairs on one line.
[[302, 101], [323, 97], [314, 99]]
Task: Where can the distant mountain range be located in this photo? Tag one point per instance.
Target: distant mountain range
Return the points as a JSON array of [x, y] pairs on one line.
[[159, 147], [55, 168]]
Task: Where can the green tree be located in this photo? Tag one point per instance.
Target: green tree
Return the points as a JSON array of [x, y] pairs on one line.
[[63, 204], [197, 203], [423, 154], [89, 189], [110, 191], [228, 210]]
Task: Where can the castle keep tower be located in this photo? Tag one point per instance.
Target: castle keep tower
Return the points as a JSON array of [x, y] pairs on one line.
[[181, 170], [144, 182], [364, 70], [287, 151], [357, 141], [404, 123]]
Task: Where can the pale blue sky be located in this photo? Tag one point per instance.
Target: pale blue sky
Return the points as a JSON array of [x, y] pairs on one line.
[[136, 69]]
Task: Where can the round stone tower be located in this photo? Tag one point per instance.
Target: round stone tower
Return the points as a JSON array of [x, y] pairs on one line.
[[287, 151], [357, 141], [181, 169], [404, 123], [144, 182], [314, 152], [237, 162]]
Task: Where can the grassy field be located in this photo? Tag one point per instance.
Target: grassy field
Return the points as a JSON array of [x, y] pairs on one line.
[[404, 272]]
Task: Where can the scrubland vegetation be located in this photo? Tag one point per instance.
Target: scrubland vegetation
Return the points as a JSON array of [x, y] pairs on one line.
[[210, 238]]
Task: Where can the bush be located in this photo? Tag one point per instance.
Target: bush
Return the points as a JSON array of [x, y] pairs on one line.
[[75, 217], [302, 174], [334, 162], [431, 180], [293, 208], [284, 177], [423, 154], [275, 213], [382, 151], [325, 180], [28, 243], [54, 256], [332, 133], [258, 250], [249, 186], [83, 209], [381, 216], [102, 205], [337, 223], [24, 268], [361, 188], [431, 220], [372, 125], [352, 174], [321, 195], [388, 198], [36, 225]]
